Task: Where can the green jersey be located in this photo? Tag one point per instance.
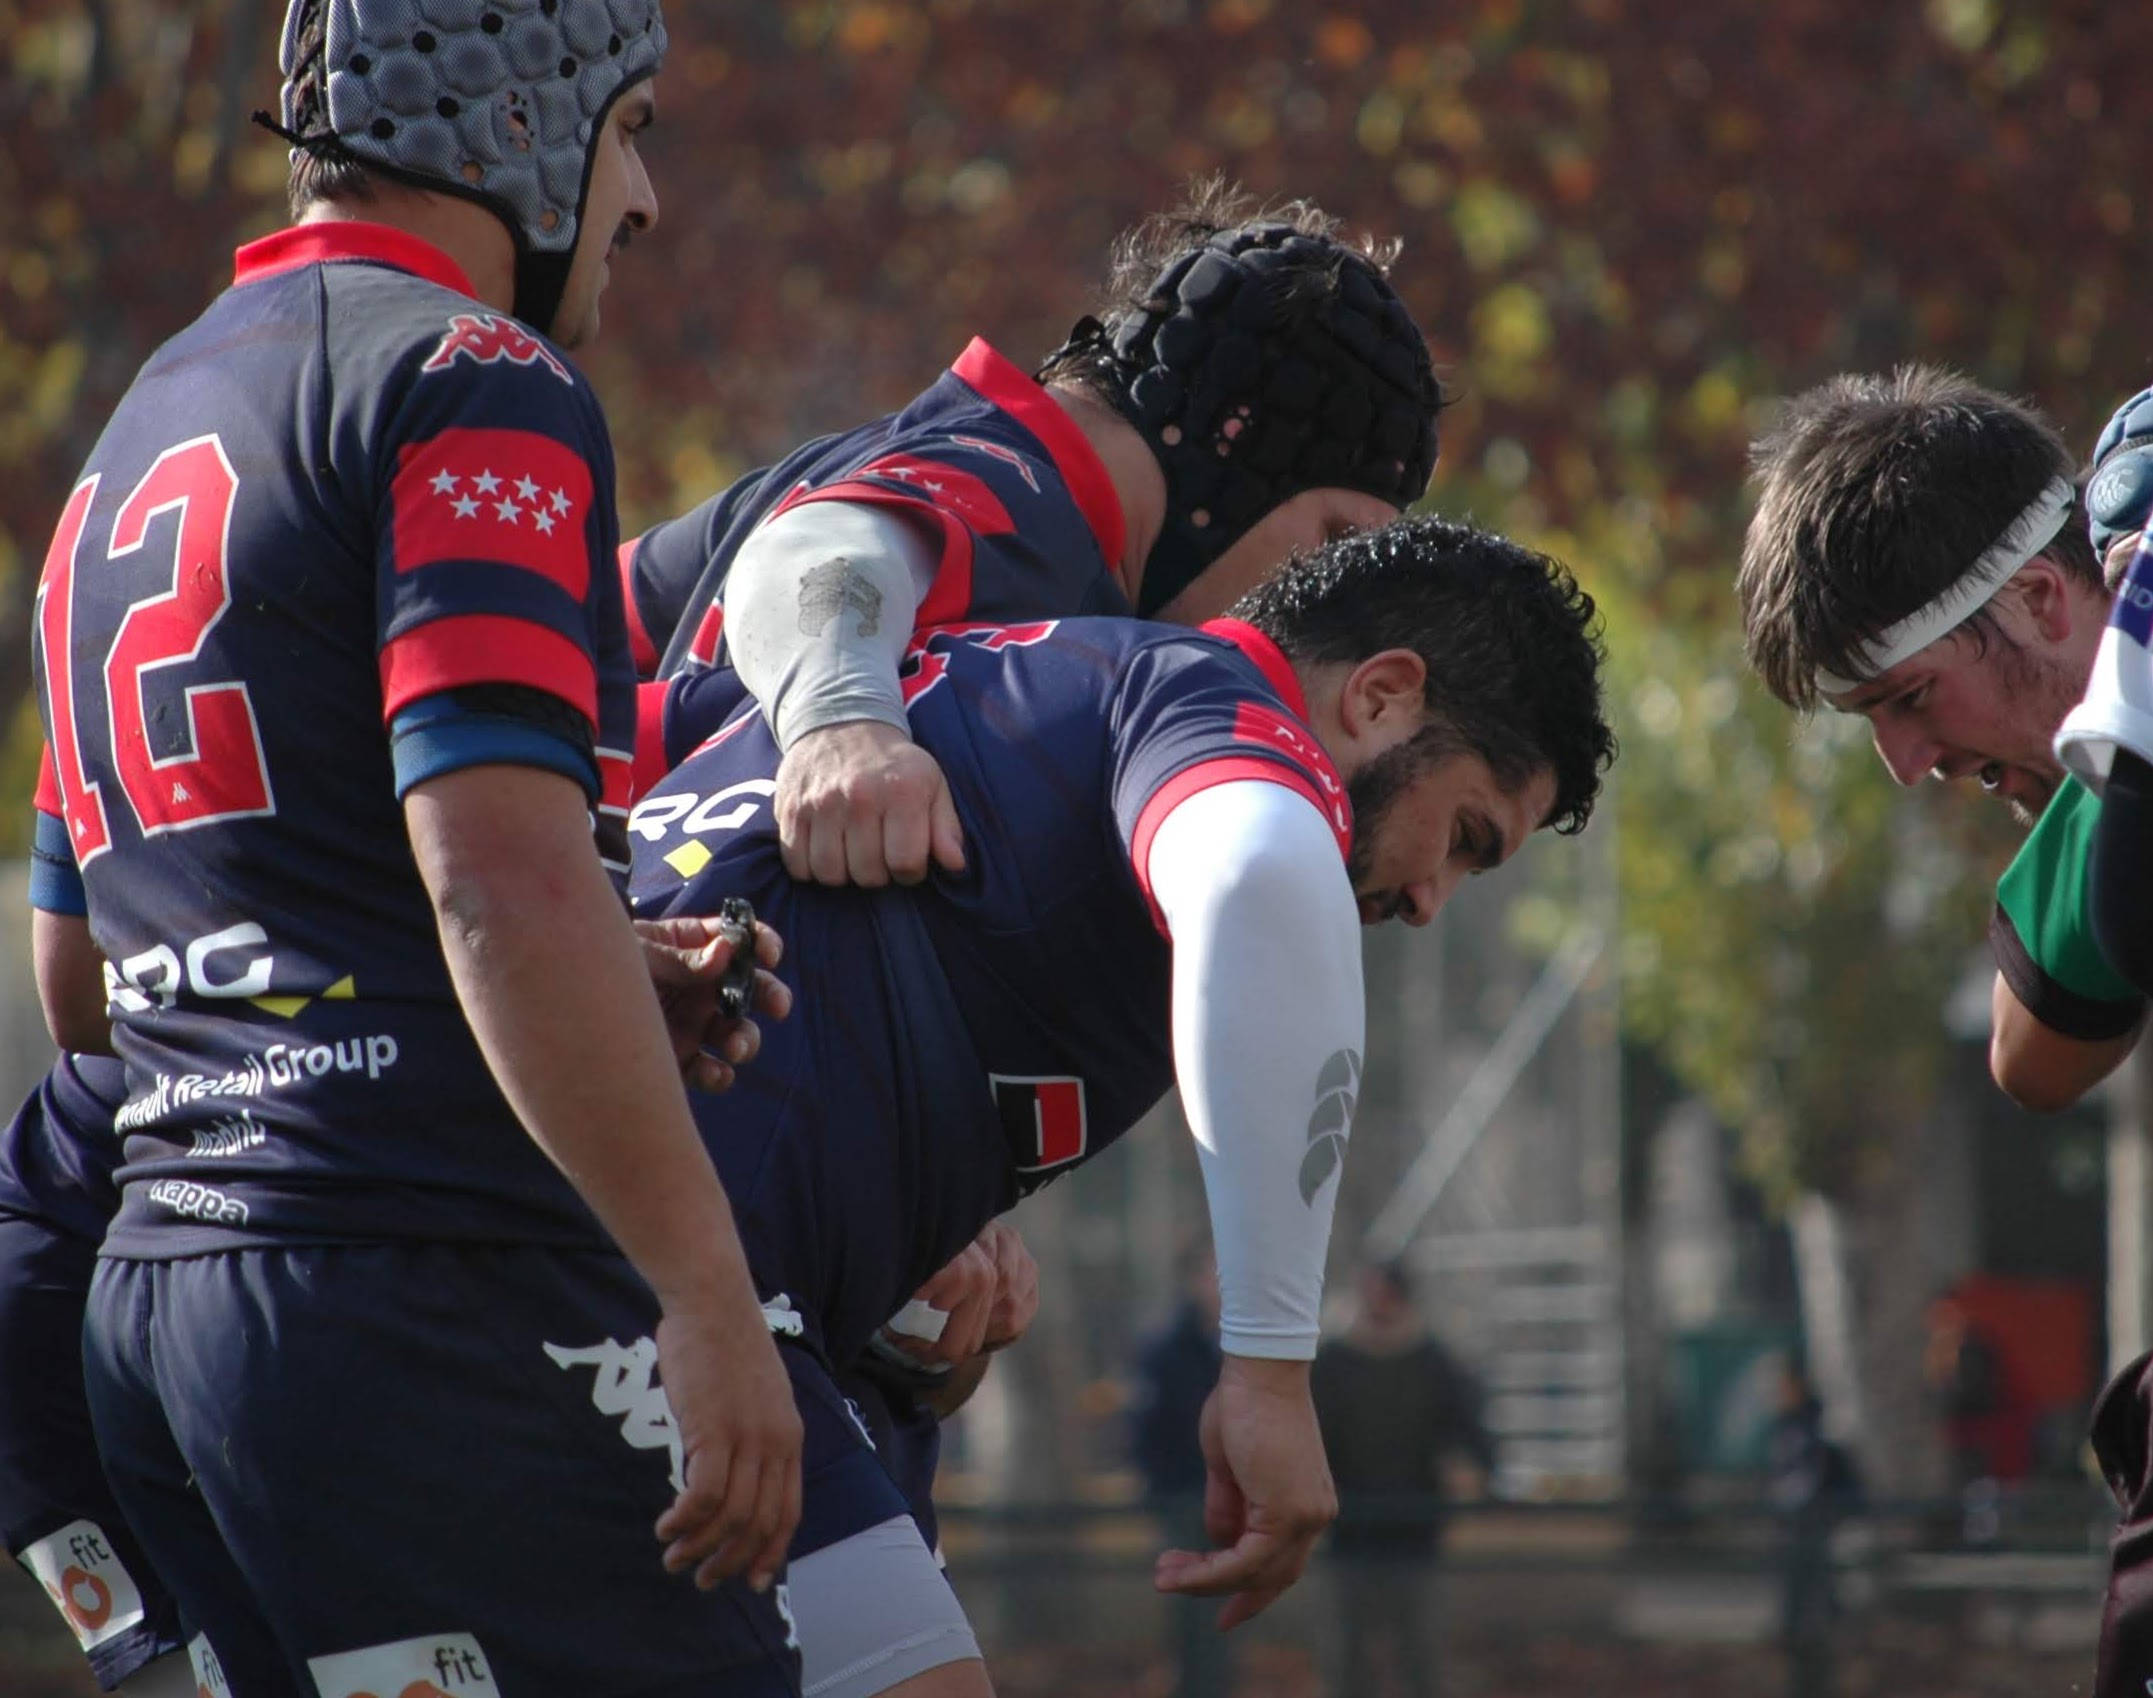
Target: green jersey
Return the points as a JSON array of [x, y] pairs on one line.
[[2042, 935]]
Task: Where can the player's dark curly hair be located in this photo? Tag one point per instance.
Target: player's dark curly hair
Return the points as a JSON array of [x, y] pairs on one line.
[[1512, 644]]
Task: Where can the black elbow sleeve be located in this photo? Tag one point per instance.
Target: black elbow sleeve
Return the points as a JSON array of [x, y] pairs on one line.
[[2122, 894]]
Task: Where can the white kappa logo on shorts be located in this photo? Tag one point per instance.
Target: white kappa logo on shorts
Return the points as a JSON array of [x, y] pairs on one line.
[[442, 1665], [624, 1387], [89, 1585]]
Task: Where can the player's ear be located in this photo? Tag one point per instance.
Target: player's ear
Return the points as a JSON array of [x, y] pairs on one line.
[[2044, 591], [1385, 692]]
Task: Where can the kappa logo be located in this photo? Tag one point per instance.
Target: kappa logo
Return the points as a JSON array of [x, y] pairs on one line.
[[625, 1386], [1337, 1085], [486, 339], [443, 1665], [1009, 456], [86, 1582]]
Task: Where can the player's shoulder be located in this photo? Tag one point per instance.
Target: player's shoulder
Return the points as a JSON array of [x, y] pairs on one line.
[[2060, 840], [983, 420], [1183, 657], [444, 352]]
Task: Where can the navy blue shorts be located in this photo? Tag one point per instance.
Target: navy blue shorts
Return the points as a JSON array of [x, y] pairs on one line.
[[57, 1515], [907, 1435], [845, 1481], [414, 1468]]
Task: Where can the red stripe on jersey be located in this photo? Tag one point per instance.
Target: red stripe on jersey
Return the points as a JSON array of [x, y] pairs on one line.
[[48, 784], [512, 497], [483, 648], [1008, 386], [946, 489], [1194, 780], [651, 765], [1267, 657], [641, 649], [1262, 724], [325, 244], [616, 782], [950, 598], [709, 633]]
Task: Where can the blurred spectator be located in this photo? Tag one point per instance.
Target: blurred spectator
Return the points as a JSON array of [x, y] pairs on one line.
[[1394, 1406], [1175, 1371], [1988, 1424], [1812, 1485]]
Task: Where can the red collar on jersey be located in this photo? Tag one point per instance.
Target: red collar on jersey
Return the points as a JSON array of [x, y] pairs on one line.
[[1005, 384], [1269, 659], [336, 240]]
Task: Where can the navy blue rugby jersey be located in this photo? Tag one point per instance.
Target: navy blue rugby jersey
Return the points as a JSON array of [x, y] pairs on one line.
[[58, 1155], [955, 1044], [347, 532], [1029, 523]]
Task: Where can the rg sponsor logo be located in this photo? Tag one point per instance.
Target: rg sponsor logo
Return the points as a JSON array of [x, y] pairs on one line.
[[486, 339], [87, 1583], [443, 1665]]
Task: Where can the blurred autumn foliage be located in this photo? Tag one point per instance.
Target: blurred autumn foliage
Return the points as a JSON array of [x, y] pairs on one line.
[[1629, 223]]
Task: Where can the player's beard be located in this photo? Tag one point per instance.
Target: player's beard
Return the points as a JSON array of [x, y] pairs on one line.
[[2043, 691], [1373, 791]]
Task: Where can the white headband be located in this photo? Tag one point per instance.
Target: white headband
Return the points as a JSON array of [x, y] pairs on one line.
[[2032, 531]]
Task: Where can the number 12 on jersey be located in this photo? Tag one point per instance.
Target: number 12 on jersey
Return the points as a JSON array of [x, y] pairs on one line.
[[220, 773]]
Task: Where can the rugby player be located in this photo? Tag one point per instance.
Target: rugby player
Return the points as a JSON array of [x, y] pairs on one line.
[[1174, 840], [336, 677], [57, 1515], [1920, 555], [1255, 387]]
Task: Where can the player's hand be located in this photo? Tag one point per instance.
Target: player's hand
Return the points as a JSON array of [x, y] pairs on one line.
[[687, 959], [740, 1438], [1267, 1490], [861, 803], [1016, 1286], [984, 1300], [962, 1298]]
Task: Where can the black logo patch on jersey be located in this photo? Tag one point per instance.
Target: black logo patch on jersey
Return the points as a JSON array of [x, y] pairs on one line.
[[1044, 1120]]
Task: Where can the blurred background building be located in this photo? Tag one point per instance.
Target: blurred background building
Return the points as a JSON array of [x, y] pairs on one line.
[[1649, 1111]]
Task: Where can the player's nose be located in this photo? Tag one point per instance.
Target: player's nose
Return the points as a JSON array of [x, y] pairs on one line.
[[1908, 754], [642, 215], [1420, 901]]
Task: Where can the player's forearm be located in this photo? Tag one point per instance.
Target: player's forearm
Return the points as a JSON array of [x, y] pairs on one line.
[[554, 985], [1268, 1036], [819, 608], [2039, 1068]]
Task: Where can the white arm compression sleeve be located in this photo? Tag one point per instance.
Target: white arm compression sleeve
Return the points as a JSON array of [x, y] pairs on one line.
[[1268, 1035], [819, 607]]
